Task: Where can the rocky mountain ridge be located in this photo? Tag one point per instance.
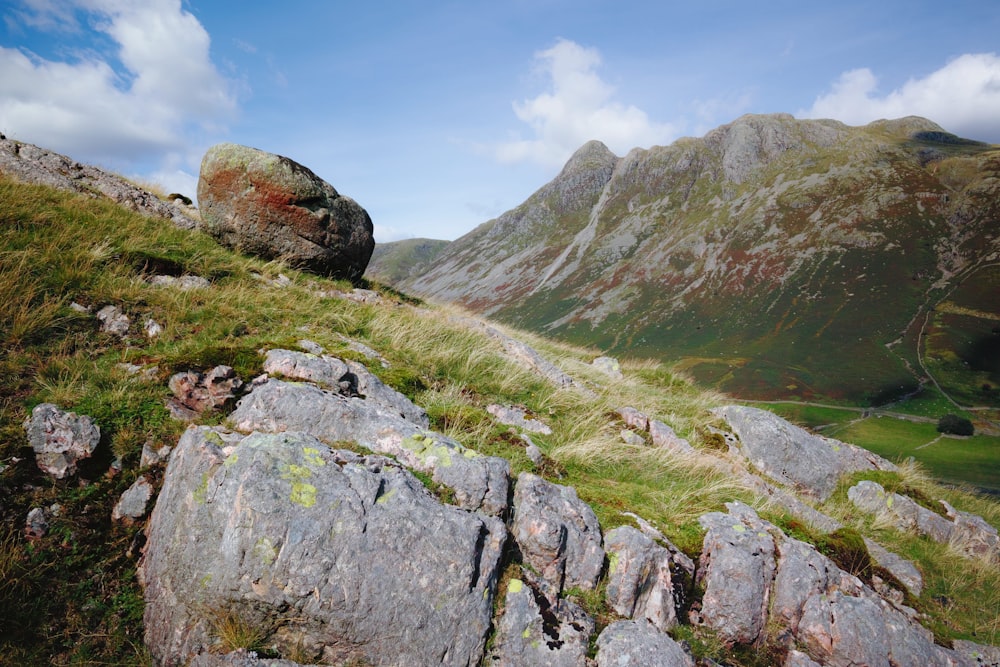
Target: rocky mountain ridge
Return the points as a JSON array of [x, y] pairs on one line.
[[782, 258]]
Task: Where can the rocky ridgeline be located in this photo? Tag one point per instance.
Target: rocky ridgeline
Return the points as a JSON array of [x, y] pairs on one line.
[[345, 554]]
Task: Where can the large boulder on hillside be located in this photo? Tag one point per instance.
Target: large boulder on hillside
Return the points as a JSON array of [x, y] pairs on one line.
[[346, 559], [791, 455], [272, 207]]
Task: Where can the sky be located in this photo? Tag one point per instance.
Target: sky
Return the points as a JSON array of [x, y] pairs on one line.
[[437, 116]]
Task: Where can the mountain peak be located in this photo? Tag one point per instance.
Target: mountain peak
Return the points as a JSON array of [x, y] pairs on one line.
[[592, 155]]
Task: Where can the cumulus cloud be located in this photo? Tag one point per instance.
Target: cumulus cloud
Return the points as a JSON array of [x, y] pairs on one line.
[[143, 104], [963, 97], [578, 107]]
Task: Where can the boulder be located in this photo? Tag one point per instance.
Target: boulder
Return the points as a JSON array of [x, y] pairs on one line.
[[639, 581], [479, 482], [972, 534], [792, 456], [346, 558], [345, 377], [557, 533], [639, 644], [535, 631], [60, 439], [272, 207]]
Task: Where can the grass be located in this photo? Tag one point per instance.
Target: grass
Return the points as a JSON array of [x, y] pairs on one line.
[[73, 596]]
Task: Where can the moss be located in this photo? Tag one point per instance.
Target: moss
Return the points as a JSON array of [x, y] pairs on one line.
[[846, 547]]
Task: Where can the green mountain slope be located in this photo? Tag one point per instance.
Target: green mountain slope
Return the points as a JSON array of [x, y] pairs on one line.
[[779, 258], [394, 261]]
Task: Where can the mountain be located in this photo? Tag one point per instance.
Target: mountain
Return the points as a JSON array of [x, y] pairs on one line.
[[776, 257], [394, 261]]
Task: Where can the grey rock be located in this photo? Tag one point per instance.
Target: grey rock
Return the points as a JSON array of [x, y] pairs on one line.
[[609, 366], [272, 207], [631, 438], [639, 644], [904, 570], [664, 436], [972, 534], [639, 581], [678, 558], [736, 568], [634, 418], [184, 283], [977, 654], [512, 415], [365, 350], [311, 347], [907, 515], [349, 556], [792, 456], [535, 631], [800, 659], [532, 451], [152, 328], [134, 503], [803, 572], [557, 534], [113, 321], [36, 524], [479, 482], [345, 377], [32, 164], [196, 393], [151, 457], [60, 439], [240, 658]]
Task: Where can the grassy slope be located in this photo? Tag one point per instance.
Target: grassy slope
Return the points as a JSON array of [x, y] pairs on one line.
[[73, 598]]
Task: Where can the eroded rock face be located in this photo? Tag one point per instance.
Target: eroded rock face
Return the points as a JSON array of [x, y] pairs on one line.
[[61, 439], [557, 533], [196, 393], [272, 207], [479, 482], [348, 557], [792, 456]]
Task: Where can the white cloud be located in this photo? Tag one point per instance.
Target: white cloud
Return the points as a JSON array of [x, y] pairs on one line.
[[578, 107], [963, 97], [164, 92]]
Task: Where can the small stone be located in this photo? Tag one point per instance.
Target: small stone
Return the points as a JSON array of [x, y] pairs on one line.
[[609, 366], [632, 438], [512, 415], [153, 328], [533, 452], [113, 321], [61, 439], [133, 503], [36, 526], [311, 347], [74, 306]]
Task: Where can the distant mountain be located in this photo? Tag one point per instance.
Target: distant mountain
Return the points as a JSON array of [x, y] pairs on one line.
[[394, 261], [777, 258]]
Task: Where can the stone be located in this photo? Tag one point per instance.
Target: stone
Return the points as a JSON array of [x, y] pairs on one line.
[[800, 659], [152, 328], [151, 457], [479, 482], [972, 534], [134, 503], [792, 456], [634, 418], [736, 568], [978, 655], [535, 631], [196, 393], [184, 283], [905, 513], [631, 438], [349, 558], [36, 524], [61, 439], [511, 415], [639, 644], [113, 321], [639, 581], [664, 436], [272, 207], [557, 534], [241, 658], [311, 347], [609, 366], [531, 450], [345, 377]]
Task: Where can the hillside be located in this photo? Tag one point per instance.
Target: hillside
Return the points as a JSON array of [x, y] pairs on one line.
[[628, 452], [777, 258], [393, 262]]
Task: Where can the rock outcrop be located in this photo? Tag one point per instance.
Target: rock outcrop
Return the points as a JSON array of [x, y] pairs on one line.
[[347, 557], [272, 207], [792, 456]]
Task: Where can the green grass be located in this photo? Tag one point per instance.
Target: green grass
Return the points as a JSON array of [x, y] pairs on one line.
[[74, 596]]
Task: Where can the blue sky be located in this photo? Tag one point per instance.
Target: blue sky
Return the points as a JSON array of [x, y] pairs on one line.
[[437, 116]]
